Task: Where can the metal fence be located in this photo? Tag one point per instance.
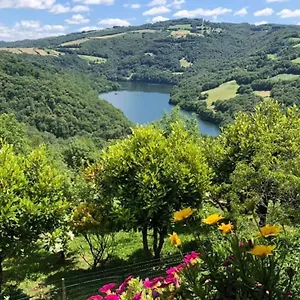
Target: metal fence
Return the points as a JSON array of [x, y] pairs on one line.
[[83, 286]]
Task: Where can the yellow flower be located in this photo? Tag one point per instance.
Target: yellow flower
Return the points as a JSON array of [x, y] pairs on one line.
[[262, 250], [212, 219], [225, 228], [183, 214], [269, 230], [175, 240]]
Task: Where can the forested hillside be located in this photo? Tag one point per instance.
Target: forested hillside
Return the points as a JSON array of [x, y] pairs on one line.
[[53, 100], [201, 59]]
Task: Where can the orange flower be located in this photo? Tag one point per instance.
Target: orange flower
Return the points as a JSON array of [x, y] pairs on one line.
[[269, 230], [212, 219], [175, 240], [225, 228], [183, 214]]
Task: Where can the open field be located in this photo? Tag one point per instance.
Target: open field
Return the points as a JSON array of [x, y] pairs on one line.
[[272, 56], [180, 33], [32, 51], [180, 27], [75, 42], [225, 91], [294, 40], [296, 61], [284, 77], [95, 59], [184, 63], [264, 94]]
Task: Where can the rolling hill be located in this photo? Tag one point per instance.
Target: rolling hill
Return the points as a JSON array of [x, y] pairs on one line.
[[194, 56]]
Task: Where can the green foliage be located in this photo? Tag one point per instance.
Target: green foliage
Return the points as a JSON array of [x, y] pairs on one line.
[[33, 199], [55, 101], [151, 174]]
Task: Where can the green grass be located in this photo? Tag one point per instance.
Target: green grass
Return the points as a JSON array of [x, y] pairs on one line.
[[297, 46], [284, 77], [272, 56], [95, 59], [225, 91], [264, 94], [184, 63], [180, 27], [39, 271], [294, 40], [296, 61]]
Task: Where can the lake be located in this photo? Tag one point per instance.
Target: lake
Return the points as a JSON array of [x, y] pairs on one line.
[[143, 103]]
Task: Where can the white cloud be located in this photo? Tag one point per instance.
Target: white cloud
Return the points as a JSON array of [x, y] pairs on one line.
[[33, 4], [80, 8], [157, 3], [28, 24], [77, 19], [260, 23], [133, 6], [30, 30], [176, 4], [96, 2], [276, 1], [89, 28], [266, 12], [202, 12], [242, 12], [114, 22], [159, 19], [60, 9], [159, 10], [287, 13]]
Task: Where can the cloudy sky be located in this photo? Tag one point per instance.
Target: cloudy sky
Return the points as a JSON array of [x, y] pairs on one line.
[[21, 19]]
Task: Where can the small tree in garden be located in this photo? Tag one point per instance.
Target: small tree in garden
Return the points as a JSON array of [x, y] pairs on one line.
[[256, 159], [93, 223], [152, 173], [33, 199]]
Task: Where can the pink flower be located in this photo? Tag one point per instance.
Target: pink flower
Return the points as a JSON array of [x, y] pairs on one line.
[[191, 258], [241, 244], [174, 270], [96, 297], [112, 297], [148, 284], [122, 287], [172, 280], [107, 288], [138, 296]]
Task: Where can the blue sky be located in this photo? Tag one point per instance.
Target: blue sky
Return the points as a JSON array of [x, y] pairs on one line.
[[20, 19]]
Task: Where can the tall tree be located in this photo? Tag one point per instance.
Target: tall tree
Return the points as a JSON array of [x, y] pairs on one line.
[[33, 199], [151, 174]]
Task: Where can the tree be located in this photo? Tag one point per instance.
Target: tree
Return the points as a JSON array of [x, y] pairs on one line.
[[33, 199], [256, 159], [151, 174]]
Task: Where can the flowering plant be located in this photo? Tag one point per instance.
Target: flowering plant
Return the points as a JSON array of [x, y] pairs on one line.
[[238, 269]]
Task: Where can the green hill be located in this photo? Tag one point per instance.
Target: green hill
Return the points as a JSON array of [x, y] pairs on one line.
[[216, 53]]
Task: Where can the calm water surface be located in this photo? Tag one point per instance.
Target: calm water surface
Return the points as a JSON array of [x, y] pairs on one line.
[[143, 103]]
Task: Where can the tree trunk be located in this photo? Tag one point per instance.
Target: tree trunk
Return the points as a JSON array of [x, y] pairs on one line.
[[145, 240], [262, 211], [1, 275], [158, 243]]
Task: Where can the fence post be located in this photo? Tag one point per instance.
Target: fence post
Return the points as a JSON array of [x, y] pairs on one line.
[[63, 289]]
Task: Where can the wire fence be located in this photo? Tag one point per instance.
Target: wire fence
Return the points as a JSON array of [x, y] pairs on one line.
[[83, 286]]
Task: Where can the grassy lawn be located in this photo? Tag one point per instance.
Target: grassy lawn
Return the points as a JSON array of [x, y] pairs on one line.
[[284, 77], [296, 61], [225, 91], [264, 94], [40, 271], [180, 27], [184, 63], [294, 40], [95, 59], [272, 56]]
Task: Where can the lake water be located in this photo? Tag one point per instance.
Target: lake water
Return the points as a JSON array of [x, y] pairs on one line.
[[143, 103]]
